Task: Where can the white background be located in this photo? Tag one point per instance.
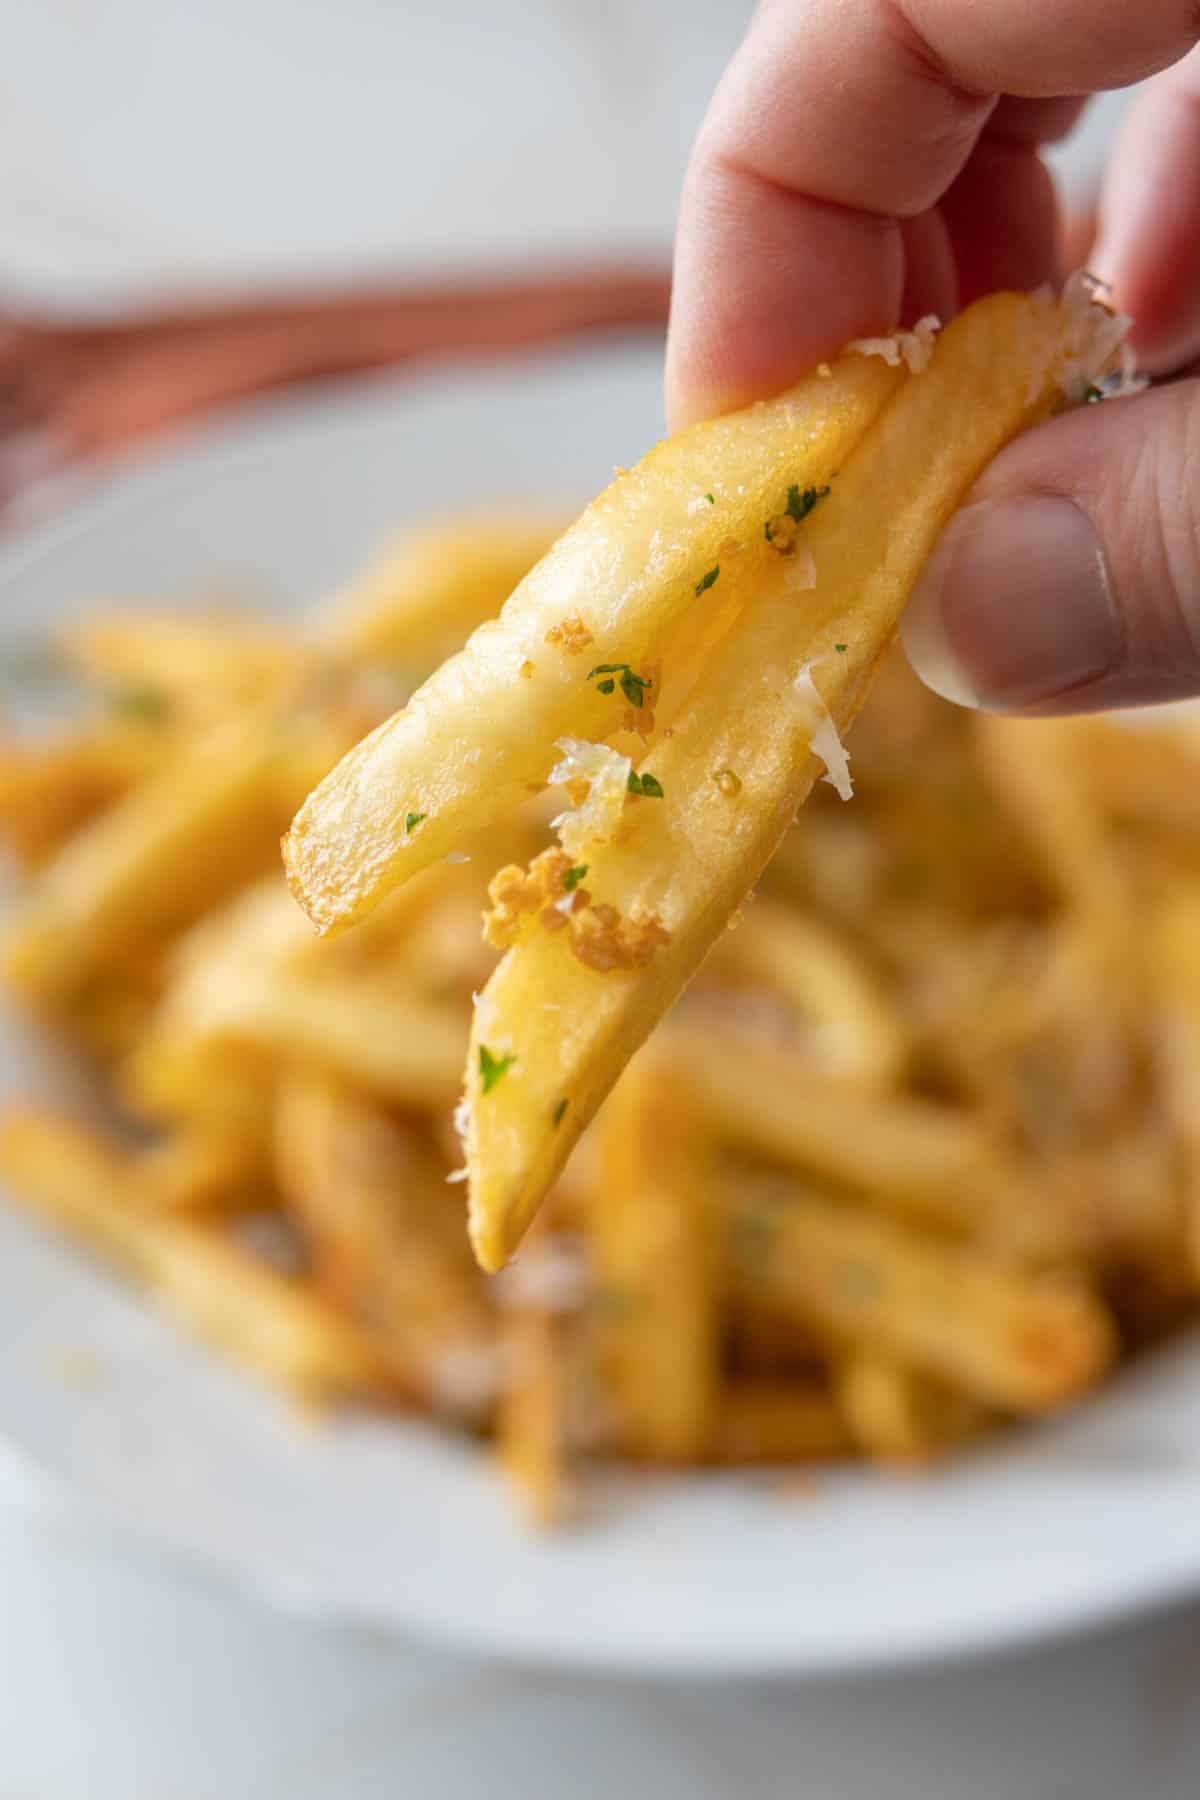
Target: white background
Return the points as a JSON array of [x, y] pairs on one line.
[[156, 147]]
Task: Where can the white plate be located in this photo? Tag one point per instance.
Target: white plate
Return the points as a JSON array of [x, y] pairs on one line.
[[400, 1527]]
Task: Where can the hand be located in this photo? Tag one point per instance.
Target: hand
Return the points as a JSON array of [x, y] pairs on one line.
[[865, 161]]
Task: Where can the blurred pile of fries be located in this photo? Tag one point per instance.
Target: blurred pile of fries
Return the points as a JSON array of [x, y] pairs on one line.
[[918, 1154]]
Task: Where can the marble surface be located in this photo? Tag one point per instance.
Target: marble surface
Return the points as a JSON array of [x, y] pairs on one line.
[[156, 147]]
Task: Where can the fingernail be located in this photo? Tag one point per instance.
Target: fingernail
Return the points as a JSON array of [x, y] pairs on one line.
[[1014, 606]]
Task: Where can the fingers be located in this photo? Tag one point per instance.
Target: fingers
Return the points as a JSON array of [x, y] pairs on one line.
[[1149, 246], [1072, 579], [835, 119]]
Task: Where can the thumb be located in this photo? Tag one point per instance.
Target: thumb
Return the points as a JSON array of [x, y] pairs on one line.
[[1070, 581]]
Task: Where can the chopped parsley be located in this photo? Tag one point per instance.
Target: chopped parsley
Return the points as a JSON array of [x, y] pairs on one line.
[[800, 501], [710, 499], [412, 820], [615, 1301], [571, 881], [649, 785], [1092, 394], [148, 703], [559, 1110], [632, 686], [491, 1068], [841, 649], [706, 581]]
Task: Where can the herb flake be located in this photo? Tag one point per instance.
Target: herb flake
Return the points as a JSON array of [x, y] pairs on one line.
[[412, 820], [706, 581], [800, 501], [572, 879], [841, 649], [648, 785], [632, 686], [559, 1110], [491, 1068]]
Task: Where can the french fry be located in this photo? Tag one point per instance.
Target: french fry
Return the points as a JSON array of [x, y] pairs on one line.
[[847, 1024], [244, 980], [152, 864], [190, 665], [896, 1414], [263, 1319], [778, 1422], [934, 1165], [1039, 775], [531, 1420], [657, 1271], [49, 790], [1148, 774], [1013, 1340], [420, 600], [204, 1172], [386, 1239], [687, 859], [619, 586], [1175, 953]]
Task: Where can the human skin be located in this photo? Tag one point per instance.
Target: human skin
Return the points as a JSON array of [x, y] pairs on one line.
[[866, 161]]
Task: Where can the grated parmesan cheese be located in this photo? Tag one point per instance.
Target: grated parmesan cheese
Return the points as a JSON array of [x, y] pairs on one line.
[[912, 348], [607, 775], [1091, 334], [823, 737], [551, 1276], [465, 1378], [800, 569]]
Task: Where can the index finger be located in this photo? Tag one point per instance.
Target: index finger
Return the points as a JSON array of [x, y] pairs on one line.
[[838, 125]]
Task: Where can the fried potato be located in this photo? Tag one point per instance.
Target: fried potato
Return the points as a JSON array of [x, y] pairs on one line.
[[686, 859], [935, 1165], [622, 585], [531, 1428], [1013, 1340], [261, 1318], [422, 597], [183, 665], [655, 1248], [153, 863], [841, 1015], [899, 1415], [49, 790], [386, 1239], [778, 1422]]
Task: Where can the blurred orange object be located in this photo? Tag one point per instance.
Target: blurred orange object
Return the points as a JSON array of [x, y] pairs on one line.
[[72, 388]]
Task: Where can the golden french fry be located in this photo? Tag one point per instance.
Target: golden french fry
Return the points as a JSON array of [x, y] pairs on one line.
[[897, 1414], [1014, 1340], [1175, 963], [684, 861], [420, 600], [206, 1172], [48, 791], [634, 575], [531, 1440], [1039, 774], [264, 1319], [190, 665], [778, 1422], [153, 863], [244, 978], [1145, 772], [386, 1239], [846, 1023], [179, 1078], [657, 1270], [932, 1164]]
